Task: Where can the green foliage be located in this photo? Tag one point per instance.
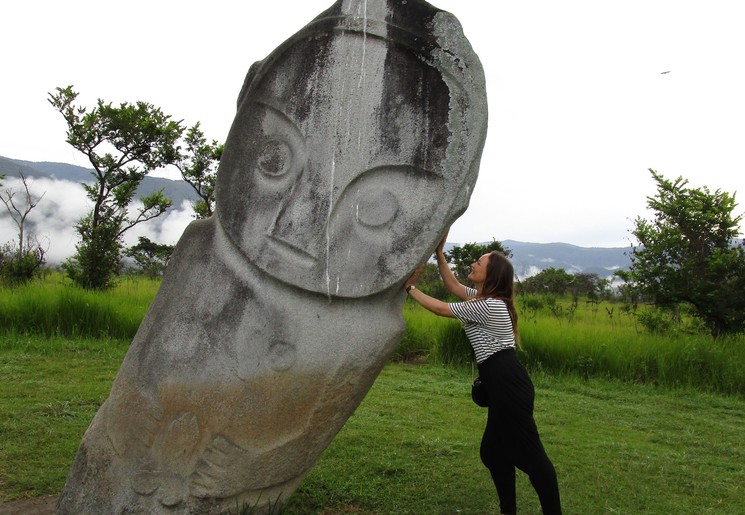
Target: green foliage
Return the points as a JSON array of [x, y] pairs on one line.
[[151, 258], [53, 307], [647, 345], [656, 321], [461, 258], [97, 260], [432, 339], [452, 348], [559, 335], [686, 255], [589, 285], [552, 280], [556, 281], [19, 267], [198, 167], [565, 336], [123, 144]]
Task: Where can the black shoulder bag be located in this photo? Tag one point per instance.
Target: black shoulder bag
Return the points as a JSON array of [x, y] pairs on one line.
[[479, 393]]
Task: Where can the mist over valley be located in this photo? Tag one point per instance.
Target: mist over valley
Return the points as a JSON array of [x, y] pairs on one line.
[[64, 203]]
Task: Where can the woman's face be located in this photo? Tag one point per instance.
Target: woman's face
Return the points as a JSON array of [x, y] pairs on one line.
[[478, 270]]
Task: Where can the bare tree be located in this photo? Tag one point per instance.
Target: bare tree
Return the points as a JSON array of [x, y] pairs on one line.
[[19, 210], [30, 254]]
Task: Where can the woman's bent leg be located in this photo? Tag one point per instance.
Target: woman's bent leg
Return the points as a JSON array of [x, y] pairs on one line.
[[512, 394], [499, 464], [530, 457]]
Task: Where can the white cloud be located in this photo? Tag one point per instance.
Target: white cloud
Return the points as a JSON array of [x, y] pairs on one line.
[[166, 229], [64, 203], [53, 219]]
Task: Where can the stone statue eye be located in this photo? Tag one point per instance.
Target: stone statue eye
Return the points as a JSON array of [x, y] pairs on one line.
[[275, 159], [376, 207], [279, 153]]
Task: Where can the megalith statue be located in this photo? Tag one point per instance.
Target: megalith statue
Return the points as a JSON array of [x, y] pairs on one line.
[[355, 145]]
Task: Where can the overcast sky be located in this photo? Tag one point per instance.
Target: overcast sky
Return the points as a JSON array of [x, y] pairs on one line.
[[584, 96]]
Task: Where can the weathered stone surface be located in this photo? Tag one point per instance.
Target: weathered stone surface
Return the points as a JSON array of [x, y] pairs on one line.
[[355, 145]]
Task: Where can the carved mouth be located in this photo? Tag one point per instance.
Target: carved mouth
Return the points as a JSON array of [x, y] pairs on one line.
[[292, 253]]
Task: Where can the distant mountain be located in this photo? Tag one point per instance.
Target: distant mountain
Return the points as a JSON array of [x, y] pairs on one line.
[[528, 258], [531, 258], [177, 191]]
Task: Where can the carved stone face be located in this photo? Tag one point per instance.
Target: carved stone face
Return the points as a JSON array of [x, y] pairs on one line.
[[334, 177]]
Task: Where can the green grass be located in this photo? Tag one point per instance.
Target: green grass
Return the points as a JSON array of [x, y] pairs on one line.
[[591, 343], [635, 422], [621, 353], [412, 445], [601, 341], [52, 306], [51, 388], [590, 340]]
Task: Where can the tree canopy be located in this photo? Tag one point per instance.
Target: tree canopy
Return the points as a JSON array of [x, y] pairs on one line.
[[123, 144], [198, 167], [462, 257], [151, 258], [556, 281], [688, 253]]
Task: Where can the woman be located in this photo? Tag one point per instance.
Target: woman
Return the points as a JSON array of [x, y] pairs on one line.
[[488, 314]]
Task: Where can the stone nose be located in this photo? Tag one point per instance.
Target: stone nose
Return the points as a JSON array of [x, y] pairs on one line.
[[301, 221]]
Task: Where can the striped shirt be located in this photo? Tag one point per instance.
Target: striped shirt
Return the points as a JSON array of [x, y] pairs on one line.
[[487, 324]]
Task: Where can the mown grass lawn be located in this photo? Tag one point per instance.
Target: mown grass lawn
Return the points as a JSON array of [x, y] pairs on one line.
[[412, 445]]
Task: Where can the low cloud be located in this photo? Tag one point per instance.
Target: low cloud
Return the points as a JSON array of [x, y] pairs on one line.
[[53, 220], [166, 229]]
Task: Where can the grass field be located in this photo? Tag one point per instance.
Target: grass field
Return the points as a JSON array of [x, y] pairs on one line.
[[636, 423], [412, 446]]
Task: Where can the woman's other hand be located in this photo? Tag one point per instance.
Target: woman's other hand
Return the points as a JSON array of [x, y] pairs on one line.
[[414, 277]]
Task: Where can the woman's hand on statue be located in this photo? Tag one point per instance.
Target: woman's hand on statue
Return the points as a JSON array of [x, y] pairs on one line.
[[414, 277], [440, 250]]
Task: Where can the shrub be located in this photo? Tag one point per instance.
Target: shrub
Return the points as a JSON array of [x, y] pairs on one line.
[[19, 267]]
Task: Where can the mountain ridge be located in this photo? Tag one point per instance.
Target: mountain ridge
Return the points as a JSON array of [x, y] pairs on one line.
[[528, 258], [177, 190]]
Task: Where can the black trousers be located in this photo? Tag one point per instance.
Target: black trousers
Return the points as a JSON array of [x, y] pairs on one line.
[[511, 436]]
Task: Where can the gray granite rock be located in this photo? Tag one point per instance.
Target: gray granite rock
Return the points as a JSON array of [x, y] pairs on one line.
[[355, 145]]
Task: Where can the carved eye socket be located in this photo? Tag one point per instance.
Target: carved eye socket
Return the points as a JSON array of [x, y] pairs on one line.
[[278, 152], [376, 207], [275, 159]]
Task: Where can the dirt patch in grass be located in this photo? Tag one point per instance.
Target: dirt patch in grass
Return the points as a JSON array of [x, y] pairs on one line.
[[38, 506]]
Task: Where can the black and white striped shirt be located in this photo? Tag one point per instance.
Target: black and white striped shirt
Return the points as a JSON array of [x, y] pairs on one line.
[[487, 324]]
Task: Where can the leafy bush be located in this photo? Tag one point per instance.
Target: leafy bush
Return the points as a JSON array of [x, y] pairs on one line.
[[19, 267]]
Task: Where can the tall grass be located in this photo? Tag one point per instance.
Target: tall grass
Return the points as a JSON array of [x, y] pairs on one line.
[[432, 339], [412, 446], [54, 307], [589, 340], [595, 341], [672, 360]]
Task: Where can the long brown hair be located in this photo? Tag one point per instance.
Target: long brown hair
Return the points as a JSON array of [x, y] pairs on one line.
[[500, 284]]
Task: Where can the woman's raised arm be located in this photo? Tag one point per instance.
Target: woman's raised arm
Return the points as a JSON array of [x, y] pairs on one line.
[[448, 278]]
